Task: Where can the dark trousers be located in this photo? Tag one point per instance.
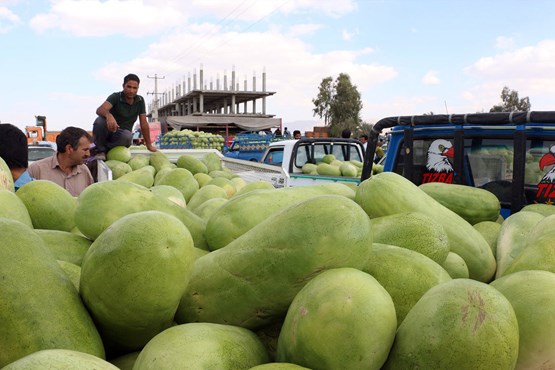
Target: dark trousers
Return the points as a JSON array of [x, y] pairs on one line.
[[105, 140]]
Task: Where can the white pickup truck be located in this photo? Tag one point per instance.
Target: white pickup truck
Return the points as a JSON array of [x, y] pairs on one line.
[[282, 162]]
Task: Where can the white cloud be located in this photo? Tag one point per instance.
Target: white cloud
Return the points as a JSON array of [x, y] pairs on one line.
[[293, 71], [8, 20], [303, 29], [528, 70], [502, 42], [252, 10], [347, 36], [431, 78], [103, 18]]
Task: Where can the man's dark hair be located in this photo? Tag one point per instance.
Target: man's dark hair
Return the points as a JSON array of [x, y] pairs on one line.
[[13, 146], [345, 134], [131, 77], [71, 135], [296, 132], [364, 136]]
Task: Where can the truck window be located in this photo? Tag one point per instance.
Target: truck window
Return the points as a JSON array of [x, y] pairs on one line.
[[539, 171], [274, 156], [341, 151]]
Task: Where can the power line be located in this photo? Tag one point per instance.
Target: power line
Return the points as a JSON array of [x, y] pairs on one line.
[[155, 100]]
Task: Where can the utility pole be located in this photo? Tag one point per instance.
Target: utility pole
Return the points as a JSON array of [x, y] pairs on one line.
[[155, 100]]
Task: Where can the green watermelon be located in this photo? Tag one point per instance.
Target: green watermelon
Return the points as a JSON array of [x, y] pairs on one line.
[[460, 324], [341, 319], [133, 276], [202, 346]]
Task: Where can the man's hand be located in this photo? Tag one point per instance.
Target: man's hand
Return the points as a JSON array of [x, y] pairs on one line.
[[111, 123], [151, 147]]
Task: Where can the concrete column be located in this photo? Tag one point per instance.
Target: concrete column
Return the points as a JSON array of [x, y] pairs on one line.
[[232, 106], [201, 103]]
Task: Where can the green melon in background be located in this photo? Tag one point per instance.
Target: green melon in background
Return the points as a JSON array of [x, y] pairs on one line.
[[455, 266], [224, 183], [389, 193], [538, 252], [543, 209], [49, 205], [182, 180], [221, 173], [341, 319], [191, 163], [40, 308], [134, 275], [348, 170], [205, 193], [208, 208], [170, 193], [460, 324], [255, 185], [239, 183], [414, 231], [279, 366], [262, 270], [328, 158], [512, 238], [119, 153], [118, 168], [309, 169], [202, 346], [52, 359], [212, 162], [159, 160], [202, 178], [65, 245], [143, 176], [138, 161], [405, 274], [13, 207], [531, 295], [125, 362], [326, 169], [244, 212], [160, 173], [72, 271], [102, 203], [490, 231]]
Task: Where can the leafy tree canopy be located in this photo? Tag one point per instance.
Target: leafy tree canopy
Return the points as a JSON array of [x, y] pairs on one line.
[[339, 104], [511, 103]]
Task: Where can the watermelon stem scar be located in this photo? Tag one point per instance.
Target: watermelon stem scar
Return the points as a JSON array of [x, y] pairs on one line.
[[475, 300]]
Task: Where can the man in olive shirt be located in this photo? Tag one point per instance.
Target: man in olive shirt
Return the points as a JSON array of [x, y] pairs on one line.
[[66, 167], [116, 117]]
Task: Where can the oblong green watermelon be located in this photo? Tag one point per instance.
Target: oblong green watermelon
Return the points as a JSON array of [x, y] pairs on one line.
[[460, 324], [342, 319], [252, 281], [40, 308]]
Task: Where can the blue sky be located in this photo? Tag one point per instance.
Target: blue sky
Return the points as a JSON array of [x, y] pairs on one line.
[[62, 58]]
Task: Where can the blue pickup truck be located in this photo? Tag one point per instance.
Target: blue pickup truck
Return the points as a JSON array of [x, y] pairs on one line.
[[250, 146], [510, 154]]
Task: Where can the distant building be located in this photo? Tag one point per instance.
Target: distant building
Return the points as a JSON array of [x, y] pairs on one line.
[[223, 109]]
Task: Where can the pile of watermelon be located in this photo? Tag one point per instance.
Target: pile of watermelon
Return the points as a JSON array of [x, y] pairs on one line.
[[185, 265]]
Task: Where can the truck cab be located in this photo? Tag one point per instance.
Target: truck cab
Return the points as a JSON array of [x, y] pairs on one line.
[[510, 154], [249, 146], [291, 155]]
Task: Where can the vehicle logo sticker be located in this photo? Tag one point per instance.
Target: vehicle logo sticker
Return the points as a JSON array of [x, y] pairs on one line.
[[438, 164], [546, 186]]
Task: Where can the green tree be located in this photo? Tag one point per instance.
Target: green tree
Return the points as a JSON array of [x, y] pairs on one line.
[[324, 99], [511, 103], [339, 103]]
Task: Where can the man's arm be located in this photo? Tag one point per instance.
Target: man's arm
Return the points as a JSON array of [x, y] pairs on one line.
[[104, 111], [145, 131]]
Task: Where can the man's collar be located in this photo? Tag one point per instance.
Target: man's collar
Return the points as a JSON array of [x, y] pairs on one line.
[[135, 99]]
